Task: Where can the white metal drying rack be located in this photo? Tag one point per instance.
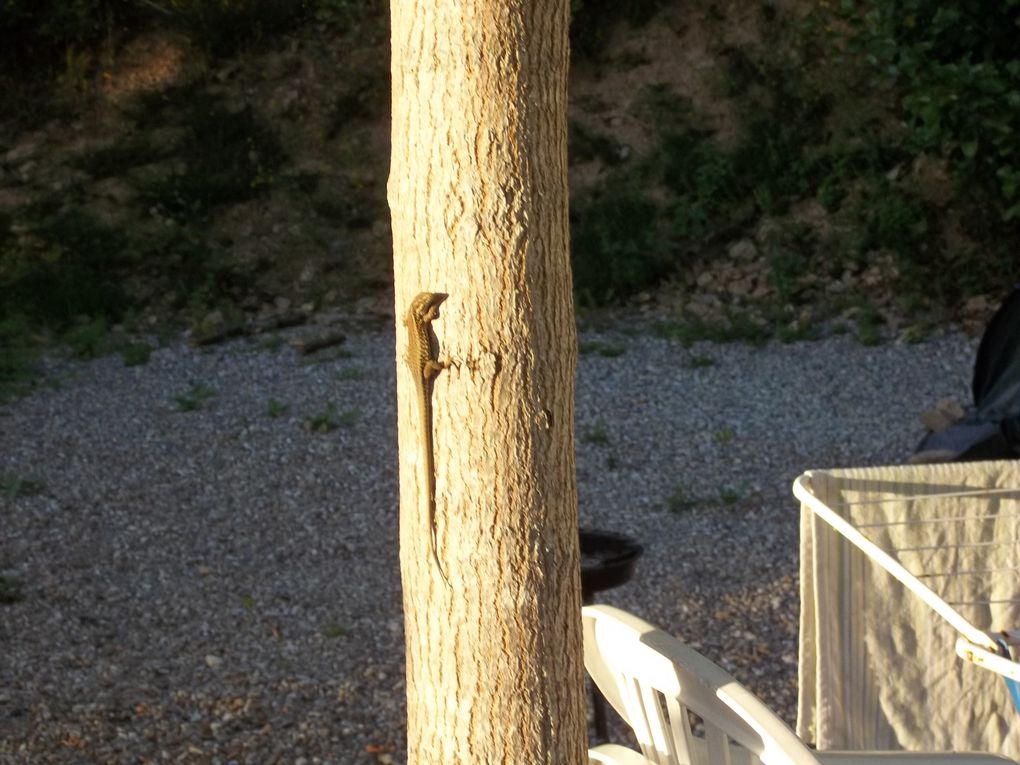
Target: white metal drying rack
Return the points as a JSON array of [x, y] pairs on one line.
[[987, 649]]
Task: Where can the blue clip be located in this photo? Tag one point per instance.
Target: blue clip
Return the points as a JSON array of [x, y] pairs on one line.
[[1011, 685]]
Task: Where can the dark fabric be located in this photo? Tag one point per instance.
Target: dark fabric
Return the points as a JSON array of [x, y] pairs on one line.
[[998, 350], [991, 427]]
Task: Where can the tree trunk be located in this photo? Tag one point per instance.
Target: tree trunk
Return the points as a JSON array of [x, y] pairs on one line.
[[478, 195]]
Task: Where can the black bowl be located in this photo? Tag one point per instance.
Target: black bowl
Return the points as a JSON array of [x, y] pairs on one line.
[[607, 561]]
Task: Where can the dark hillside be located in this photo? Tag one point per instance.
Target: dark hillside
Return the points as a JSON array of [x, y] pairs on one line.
[[738, 172]]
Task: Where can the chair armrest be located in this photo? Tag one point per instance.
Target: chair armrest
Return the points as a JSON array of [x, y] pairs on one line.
[[911, 758], [614, 754]]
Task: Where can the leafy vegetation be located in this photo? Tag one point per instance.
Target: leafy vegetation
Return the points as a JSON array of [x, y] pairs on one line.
[[737, 328], [616, 247], [591, 21], [330, 418], [13, 486], [50, 32], [333, 630], [12, 588], [275, 408], [194, 398], [228, 156], [922, 88], [597, 434], [135, 354], [18, 350], [853, 109], [604, 349]]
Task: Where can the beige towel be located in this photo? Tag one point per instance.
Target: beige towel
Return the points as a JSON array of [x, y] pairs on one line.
[[878, 668]]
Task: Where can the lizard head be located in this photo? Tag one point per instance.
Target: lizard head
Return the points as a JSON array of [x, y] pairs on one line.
[[425, 307]]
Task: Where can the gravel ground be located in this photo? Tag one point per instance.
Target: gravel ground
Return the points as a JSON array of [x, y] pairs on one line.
[[221, 585]]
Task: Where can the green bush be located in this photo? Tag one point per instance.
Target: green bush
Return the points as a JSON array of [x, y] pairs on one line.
[[228, 156], [703, 181], [616, 247], [18, 350], [222, 27], [591, 21], [72, 271], [956, 67], [39, 32]]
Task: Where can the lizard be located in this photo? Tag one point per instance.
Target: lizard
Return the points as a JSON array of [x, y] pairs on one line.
[[424, 367]]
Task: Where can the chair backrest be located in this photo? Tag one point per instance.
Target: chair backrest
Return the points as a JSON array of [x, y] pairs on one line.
[[652, 680]]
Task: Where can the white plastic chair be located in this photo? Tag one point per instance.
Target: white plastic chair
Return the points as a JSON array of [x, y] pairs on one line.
[[653, 681]]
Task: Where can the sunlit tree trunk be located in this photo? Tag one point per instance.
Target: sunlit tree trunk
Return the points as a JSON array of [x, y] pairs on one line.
[[478, 195]]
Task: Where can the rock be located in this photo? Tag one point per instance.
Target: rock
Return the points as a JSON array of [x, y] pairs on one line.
[[740, 287], [744, 250], [282, 103], [24, 171], [976, 312], [705, 278], [977, 304], [213, 661], [24, 151], [835, 288], [946, 412], [768, 230], [115, 189], [211, 323], [11, 199]]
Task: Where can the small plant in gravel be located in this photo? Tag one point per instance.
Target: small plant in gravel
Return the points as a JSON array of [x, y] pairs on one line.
[[730, 495], [135, 354], [276, 408], [13, 486], [329, 419], [89, 340], [680, 500], [349, 417], [333, 631], [606, 350], [596, 434], [350, 373], [194, 398], [12, 589], [18, 351], [273, 343], [697, 361], [738, 327], [916, 333], [723, 435], [869, 325]]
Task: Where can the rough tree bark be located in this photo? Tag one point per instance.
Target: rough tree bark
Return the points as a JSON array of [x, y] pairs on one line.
[[478, 196]]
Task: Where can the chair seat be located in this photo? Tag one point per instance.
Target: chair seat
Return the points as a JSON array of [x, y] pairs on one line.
[[911, 758], [653, 680]]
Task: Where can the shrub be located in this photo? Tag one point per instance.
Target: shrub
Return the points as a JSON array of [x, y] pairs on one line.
[[615, 246], [71, 272], [957, 69], [591, 21], [229, 156]]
